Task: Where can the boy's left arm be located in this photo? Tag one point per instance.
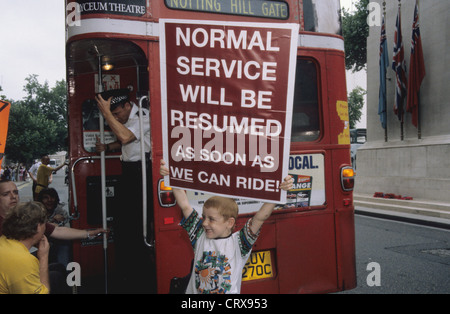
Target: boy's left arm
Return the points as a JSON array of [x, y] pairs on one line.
[[266, 209]]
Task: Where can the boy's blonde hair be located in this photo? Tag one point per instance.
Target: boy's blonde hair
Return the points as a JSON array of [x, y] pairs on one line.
[[227, 207]]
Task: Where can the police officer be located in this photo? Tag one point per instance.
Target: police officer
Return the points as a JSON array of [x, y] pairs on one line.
[[132, 256]]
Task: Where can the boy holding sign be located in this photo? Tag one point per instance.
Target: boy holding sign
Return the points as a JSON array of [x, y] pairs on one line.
[[220, 254]]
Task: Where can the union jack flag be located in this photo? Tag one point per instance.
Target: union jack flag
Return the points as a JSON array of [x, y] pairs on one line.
[[416, 69], [399, 66]]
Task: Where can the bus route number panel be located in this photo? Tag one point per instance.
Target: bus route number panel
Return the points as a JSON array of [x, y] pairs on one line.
[[257, 8], [258, 266]]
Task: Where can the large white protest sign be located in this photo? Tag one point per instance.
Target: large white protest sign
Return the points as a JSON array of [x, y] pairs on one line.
[[227, 94]]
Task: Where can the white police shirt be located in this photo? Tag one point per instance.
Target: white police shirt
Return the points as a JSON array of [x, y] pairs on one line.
[[132, 151]]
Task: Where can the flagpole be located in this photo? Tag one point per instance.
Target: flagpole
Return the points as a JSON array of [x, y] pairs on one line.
[[401, 113], [385, 72], [419, 129], [416, 73]]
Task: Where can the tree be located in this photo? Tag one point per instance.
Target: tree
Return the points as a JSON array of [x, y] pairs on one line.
[[38, 123], [2, 97], [51, 102], [355, 31], [29, 135], [355, 105]]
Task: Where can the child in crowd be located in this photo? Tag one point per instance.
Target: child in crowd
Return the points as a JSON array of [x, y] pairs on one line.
[[220, 254]]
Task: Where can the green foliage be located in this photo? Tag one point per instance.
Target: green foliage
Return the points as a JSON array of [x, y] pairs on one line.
[[355, 31], [38, 122], [355, 105]]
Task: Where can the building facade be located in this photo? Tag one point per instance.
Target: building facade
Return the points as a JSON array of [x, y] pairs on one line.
[[406, 160]]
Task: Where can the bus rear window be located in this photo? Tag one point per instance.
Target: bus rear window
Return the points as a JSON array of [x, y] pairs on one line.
[[305, 118], [322, 16]]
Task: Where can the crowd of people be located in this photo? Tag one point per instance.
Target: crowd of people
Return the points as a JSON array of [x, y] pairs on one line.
[[14, 173], [39, 227], [41, 223]]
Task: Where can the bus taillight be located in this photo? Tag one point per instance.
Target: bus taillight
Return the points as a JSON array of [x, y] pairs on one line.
[[347, 178], [165, 195]]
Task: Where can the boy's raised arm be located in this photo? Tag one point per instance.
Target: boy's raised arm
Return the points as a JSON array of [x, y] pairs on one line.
[[180, 195], [266, 209]]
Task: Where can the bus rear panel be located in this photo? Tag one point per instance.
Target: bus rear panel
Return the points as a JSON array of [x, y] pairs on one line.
[[307, 245]]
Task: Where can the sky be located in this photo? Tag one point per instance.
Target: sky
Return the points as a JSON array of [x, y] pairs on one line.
[[32, 39]]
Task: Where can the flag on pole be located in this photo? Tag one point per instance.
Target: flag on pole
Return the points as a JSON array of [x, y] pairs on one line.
[[4, 117], [384, 64], [416, 69], [399, 66]]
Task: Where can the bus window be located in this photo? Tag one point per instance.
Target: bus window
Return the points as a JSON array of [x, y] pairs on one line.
[[91, 127], [323, 16], [305, 118], [357, 139], [128, 69], [358, 136]]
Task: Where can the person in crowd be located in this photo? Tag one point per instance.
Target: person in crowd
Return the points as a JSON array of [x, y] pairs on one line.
[[9, 198], [20, 271], [6, 174], [32, 172], [132, 256], [43, 174], [58, 215], [21, 173]]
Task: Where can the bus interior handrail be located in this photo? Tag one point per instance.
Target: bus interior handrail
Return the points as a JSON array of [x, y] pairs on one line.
[[76, 214], [144, 174]]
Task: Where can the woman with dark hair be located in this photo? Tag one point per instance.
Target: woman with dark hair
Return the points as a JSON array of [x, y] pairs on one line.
[[56, 214]]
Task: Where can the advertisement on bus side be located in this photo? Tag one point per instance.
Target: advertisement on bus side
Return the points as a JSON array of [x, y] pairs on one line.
[[308, 190]]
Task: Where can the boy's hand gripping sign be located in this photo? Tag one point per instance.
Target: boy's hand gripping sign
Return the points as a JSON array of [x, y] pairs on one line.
[[227, 94]]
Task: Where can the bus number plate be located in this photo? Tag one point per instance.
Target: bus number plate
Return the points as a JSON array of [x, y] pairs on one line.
[[258, 266]]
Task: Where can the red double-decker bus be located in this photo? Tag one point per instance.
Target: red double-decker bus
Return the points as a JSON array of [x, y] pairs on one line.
[[307, 245]]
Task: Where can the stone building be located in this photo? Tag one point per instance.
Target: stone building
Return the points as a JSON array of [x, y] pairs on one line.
[[419, 164]]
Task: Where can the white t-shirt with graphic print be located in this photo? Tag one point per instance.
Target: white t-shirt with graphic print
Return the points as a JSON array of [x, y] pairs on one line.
[[218, 263]]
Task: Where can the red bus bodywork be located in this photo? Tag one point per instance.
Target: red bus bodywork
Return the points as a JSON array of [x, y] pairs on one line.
[[312, 247]]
